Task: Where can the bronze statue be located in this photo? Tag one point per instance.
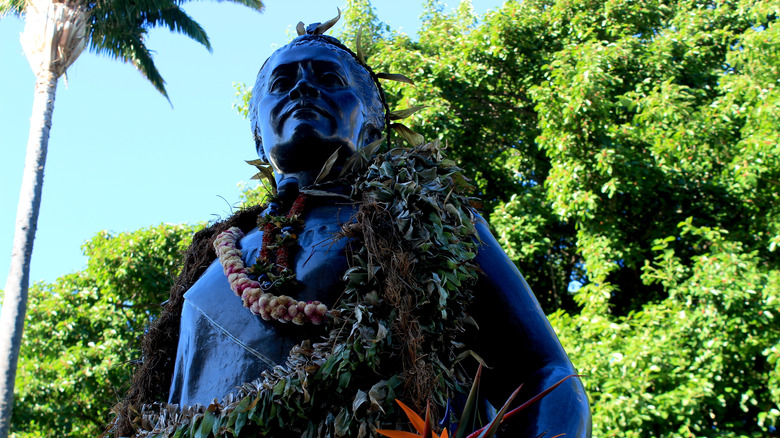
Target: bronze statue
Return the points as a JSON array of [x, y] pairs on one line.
[[314, 102], [309, 101]]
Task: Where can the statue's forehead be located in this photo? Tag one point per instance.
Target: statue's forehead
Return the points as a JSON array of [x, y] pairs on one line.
[[314, 55]]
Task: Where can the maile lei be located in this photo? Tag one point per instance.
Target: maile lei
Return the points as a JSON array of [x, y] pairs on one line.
[[394, 333]]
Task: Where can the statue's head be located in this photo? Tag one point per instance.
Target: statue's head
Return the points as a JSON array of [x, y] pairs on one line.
[[311, 98]]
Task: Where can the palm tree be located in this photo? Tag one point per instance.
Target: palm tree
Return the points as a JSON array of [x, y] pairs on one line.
[[54, 36]]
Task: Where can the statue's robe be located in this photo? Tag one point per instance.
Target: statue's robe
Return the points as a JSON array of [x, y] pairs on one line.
[[223, 345]]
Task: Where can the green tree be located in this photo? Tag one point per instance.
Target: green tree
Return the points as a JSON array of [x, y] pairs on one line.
[[55, 35], [701, 362], [360, 16], [615, 143], [83, 331]]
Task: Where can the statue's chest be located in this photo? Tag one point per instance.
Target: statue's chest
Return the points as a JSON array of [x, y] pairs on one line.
[[320, 256]]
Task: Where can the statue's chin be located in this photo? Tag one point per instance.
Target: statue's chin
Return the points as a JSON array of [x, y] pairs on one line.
[[307, 156]]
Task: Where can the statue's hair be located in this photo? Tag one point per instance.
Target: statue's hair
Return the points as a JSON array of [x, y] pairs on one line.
[[371, 91]]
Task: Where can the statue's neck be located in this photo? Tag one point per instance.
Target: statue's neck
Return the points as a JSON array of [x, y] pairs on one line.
[[302, 179], [288, 189]]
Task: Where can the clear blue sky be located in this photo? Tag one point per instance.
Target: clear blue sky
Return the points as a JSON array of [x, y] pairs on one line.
[[120, 157]]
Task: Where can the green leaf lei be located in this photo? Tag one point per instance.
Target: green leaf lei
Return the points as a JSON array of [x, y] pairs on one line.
[[397, 329]]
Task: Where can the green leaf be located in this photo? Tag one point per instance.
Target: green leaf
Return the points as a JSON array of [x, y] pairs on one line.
[[492, 428], [206, 425], [407, 134], [194, 425], [240, 422], [243, 405], [374, 146], [404, 113], [279, 387], [469, 414], [266, 172], [395, 77], [360, 398], [179, 431], [359, 52], [325, 171]]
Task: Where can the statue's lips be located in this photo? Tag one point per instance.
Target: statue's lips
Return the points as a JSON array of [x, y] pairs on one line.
[[302, 109]]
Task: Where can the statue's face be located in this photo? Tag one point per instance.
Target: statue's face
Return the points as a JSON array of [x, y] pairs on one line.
[[310, 107]]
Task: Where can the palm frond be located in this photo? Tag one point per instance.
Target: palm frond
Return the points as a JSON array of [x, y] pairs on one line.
[[178, 21], [257, 5], [142, 60], [118, 28], [12, 7], [127, 45]]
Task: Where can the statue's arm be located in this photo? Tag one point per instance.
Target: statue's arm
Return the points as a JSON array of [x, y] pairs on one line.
[[517, 342]]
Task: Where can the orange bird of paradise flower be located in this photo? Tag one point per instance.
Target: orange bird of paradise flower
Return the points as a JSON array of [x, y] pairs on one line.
[[423, 427]]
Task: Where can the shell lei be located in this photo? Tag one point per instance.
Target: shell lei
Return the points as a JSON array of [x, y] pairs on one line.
[[281, 308]]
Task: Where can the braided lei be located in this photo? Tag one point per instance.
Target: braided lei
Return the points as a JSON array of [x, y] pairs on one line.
[[279, 235]]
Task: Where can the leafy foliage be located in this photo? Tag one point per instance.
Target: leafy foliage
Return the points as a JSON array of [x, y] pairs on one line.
[[630, 149], [9, 7], [255, 195], [702, 362], [359, 16], [82, 333]]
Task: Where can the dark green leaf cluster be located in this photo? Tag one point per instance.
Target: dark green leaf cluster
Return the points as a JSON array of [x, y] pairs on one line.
[[421, 190], [82, 334]]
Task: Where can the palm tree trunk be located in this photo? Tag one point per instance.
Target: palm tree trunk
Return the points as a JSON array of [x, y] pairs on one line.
[[15, 300]]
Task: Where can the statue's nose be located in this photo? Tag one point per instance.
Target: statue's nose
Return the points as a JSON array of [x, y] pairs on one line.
[[304, 88]]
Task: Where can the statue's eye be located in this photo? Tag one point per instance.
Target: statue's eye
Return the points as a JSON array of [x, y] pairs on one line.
[[281, 83], [331, 79]]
